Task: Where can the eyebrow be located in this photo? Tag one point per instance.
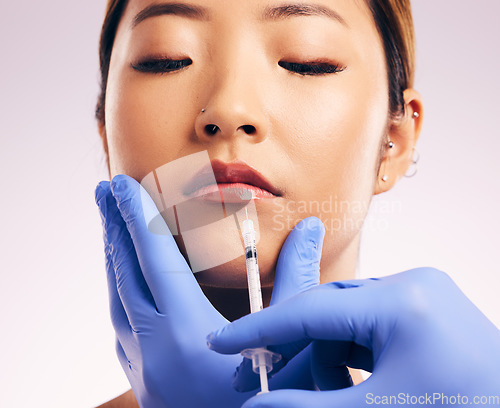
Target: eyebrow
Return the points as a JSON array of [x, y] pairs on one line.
[[178, 9], [299, 9], [195, 12]]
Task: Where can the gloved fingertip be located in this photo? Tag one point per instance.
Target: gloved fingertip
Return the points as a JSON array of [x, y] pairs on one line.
[[213, 337], [316, 230], [311, 224], [212, 341], [314, 223], [313, 230], [119, 184], [209, 343]]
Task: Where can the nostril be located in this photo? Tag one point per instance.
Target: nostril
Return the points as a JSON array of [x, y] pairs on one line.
[[249, 129], [211, 129]]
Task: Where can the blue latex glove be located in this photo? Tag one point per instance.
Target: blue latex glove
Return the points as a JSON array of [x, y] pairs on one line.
[[416, 331], [161, 316]]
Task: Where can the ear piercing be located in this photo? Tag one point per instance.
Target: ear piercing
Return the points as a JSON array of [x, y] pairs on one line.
[[412, 170], [414, 161], [390, 145]]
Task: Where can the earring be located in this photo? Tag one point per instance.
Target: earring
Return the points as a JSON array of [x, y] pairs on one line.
[[415, 158], [416, 115], [390, 145]]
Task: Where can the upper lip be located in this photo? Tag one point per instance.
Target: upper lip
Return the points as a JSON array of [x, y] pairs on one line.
[[236, 171]]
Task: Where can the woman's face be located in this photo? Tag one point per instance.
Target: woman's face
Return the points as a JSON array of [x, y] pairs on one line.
[[297, 91]]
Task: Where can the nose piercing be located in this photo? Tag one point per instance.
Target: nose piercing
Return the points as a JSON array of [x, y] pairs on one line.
[[203, 110]]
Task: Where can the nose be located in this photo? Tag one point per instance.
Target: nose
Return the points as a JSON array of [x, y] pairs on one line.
[[234, 110]]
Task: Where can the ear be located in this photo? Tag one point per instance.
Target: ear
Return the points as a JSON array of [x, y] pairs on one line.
[[104, 139], [403, 132]]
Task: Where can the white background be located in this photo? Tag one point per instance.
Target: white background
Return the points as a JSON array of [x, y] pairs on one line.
[[57, 344]]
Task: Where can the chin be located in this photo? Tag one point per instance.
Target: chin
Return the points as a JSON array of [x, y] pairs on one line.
[[231, 274]]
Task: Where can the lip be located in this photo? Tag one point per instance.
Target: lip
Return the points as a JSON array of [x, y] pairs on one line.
[[236, 182]]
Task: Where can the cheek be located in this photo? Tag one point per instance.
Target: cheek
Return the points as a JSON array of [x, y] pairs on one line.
[[337, 145], [335, 154], [143, 124]]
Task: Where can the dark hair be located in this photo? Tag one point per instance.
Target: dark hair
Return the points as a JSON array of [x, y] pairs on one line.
[[114, 12], [394, 22], [393, 19]]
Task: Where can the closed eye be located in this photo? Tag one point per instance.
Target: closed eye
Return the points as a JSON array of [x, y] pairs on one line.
[[319, 68], [161, 66]]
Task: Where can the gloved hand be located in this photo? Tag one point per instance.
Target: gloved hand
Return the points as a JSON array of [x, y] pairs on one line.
[[423, 340], [161, 316]]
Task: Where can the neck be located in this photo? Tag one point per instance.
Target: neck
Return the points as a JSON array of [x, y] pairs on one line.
[[340, 265], [233, 303]]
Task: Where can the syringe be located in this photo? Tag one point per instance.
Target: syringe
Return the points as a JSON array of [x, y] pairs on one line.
[[262, 358]]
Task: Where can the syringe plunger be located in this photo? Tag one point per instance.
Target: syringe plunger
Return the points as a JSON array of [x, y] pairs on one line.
[[262, 363]]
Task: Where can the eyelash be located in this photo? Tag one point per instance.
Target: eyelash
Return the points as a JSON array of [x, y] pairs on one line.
[[311, 69], [163, 66]]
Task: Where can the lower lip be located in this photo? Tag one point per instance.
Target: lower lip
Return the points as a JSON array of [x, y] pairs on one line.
[[230, 193]]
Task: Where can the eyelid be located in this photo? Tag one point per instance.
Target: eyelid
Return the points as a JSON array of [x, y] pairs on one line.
[[161, 65], [312, 68]]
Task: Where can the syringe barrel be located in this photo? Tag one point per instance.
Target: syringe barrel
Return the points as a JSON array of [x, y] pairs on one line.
[[253, 275], [262, 359]]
